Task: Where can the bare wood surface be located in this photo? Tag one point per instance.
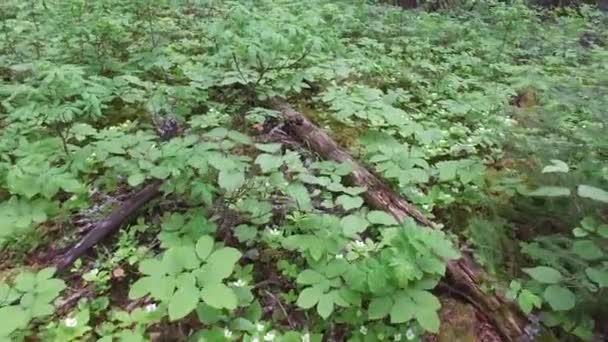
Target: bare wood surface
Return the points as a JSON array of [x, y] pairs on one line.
[[109, 224], [462, 274]]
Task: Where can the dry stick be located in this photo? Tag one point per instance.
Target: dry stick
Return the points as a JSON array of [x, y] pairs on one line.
[[110, 223], [462, 274]]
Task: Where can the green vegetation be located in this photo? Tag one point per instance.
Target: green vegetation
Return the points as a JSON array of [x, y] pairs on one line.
[[489, 116]]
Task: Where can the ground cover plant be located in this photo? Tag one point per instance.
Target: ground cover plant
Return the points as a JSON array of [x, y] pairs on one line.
[[152, 189]]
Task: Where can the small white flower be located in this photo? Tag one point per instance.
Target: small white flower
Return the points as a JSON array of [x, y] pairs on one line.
[[410, 335], [363, 330], [227, 333], [255, 339], [274, 232], [305, 337], [239, 283], [71, 322], [359, 244], [150, 307], [269, 336], [340, 256], [260, 327], [397, 337]]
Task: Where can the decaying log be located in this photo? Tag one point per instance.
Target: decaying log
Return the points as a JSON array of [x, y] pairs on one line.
[[462, 274], [109, 224]]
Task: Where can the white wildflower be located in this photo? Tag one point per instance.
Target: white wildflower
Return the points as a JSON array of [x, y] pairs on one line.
[[239, 283], [363, 330], [340, 256], [150, 307], [410, 335], [269, 336], [71, 322], [305, 337], [359, 244], [227, 333], [397, 337], [255, 339], [274, 232], [260, 327]]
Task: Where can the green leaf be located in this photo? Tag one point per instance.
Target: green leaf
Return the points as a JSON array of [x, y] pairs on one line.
[[136, 179], [219, 296], [326, 305], [600, 276], [44, 274], [550, 191], [269, 148], [219, 265], [381, 218], [593, 193], [447, 170], [557, 166], [12, 318], [231, 180], [559, 298], [546, 275], [299, 192], [379, 307], [309, 277], [269, 162], [245, 232], [587, 249], [309, 297], [25, 281], [425, 299], [348, 202], [141, 287], [204, 246], [528, 301], [353, 224], [403, 309], [183, 302], [428, 319]]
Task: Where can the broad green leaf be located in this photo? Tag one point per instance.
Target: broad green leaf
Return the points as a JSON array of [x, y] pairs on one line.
[[204, 246], [183, 301], [309, 277], [557, 166], [428, 319], [379, 307], [269, 162], [219, 265], [136, 179], [528, 301], [245, 232], [353, 224], [600, 276], [593, 193], [269, 148], [151, 267], [141, 287], [587, 250], [382, 218], [424, 299], [44, 274], [219, 296], [326, 305], [550, 191], [543, 274], [559, 298], [299, 192], [403, 309], [349, 202], [25, 281], [231, 180], [309, 297], [12, 317]]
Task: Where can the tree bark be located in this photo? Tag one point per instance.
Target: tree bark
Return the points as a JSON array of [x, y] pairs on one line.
[[109, 224], [462, 274]]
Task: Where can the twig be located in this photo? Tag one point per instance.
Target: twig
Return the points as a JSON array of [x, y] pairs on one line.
[[278, 301]]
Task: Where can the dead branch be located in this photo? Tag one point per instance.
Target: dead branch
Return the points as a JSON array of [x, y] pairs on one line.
[[462, 274]]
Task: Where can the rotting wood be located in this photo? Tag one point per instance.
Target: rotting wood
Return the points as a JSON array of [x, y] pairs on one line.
[[462, 274], [109, 224]]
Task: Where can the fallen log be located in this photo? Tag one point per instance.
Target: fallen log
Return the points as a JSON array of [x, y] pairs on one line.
[[109, 224], [462, 274]]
